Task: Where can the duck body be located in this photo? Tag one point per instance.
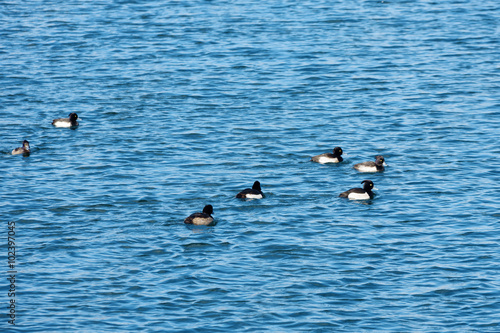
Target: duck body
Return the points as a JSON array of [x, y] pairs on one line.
[[204, 218], [251, 193], [377, 166], [364, 193], [334, 157], [25, 149], [66, 122]]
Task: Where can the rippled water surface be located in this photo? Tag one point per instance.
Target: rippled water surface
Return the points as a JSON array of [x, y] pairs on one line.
[[185, 103]]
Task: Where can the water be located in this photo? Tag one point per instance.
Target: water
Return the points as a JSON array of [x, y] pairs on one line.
[[185, 103]]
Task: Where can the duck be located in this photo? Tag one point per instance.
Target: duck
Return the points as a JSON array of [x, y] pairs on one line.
[[370, 166], [25, 149], [204, 218], [66, 122], [251, 193], [329, 157], [364, 193]]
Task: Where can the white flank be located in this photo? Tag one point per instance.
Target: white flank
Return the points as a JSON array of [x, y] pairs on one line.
[[202, 220], [358, 196], [325, 159], [62, 124], [364, 168], [253, 196]]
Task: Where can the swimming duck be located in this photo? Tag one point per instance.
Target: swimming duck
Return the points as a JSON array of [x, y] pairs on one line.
[[364, 193], [377, 166], [204, 218], [25, 149], [66, 122], [329, 157], [251, 193]]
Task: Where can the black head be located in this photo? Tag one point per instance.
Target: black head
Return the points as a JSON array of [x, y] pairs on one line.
[[256, 186], [73, 116], [379, 160], [26, 143], [337, 151], [208, 209], [368, 185]]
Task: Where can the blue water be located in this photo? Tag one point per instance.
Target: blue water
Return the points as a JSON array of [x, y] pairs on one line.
[[185, 103]]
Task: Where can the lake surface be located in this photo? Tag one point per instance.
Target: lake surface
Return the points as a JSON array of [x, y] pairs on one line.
[[185, 103]]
